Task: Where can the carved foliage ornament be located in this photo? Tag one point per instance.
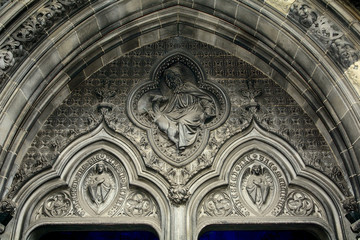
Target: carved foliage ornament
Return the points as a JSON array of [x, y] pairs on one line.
[[138, 204], [324, 31], [22, 39], [218, 204], [302, 204], [258, 187], [178, 108]]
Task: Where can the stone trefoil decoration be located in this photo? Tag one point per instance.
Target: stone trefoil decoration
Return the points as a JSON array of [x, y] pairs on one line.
[[325, 32], [138, 205], [57, 205], [218, 204], [300, 204], [178, 108]]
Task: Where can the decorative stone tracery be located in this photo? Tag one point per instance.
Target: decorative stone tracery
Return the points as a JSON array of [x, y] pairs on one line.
[[257, 184]]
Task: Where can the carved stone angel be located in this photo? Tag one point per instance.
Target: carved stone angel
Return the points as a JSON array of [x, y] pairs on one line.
[[258, 186], [100, 185]]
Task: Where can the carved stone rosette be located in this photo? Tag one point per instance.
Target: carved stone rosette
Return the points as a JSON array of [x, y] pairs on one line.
[[218, 204], [139, 204], [55, 205], [100, 186], [302, 204]]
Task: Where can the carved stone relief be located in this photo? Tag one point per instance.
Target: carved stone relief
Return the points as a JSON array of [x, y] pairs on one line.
[[57, 205], [104, 97], [325, 32], [99, 188], [302, 204], [257, 187], [16, 47], [177, 108]]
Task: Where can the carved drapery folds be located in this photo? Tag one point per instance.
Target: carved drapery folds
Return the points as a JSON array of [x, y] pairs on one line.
[[100, 187], [258, 187], [178, 108]]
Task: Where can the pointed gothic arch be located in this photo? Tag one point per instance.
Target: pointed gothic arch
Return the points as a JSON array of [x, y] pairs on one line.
[[46, 56]]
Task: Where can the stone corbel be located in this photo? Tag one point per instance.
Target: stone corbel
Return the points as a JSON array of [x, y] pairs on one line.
[[7, 211], [353, 215]]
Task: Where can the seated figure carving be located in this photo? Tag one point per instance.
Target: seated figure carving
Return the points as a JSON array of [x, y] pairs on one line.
[[182, 113]]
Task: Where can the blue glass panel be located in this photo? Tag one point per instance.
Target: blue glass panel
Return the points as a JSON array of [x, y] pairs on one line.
[[258, 235], [100, 235]]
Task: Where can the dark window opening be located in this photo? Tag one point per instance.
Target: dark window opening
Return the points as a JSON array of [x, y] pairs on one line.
[[99, 235], [258, 235]]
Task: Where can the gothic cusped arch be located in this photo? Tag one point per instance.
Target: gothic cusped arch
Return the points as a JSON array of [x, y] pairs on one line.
[[75, 191], [317, 71], [230, 37], [292, 194]]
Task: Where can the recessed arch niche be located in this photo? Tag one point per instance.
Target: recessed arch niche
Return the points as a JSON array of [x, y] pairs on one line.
[[264, 178]]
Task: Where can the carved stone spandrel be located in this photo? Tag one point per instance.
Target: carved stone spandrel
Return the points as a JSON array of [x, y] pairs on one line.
[[217, 204], [302, 204], [55, 205], [140, 204]]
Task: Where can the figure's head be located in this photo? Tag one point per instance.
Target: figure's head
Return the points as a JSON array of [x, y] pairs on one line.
[[172, 77], [256, 169], [100, 167]]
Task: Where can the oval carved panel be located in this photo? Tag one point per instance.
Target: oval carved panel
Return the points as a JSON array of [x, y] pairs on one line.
[[257, 185], [100, 186]]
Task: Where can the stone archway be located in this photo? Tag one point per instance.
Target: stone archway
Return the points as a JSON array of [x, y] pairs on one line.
[[317, 72]]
